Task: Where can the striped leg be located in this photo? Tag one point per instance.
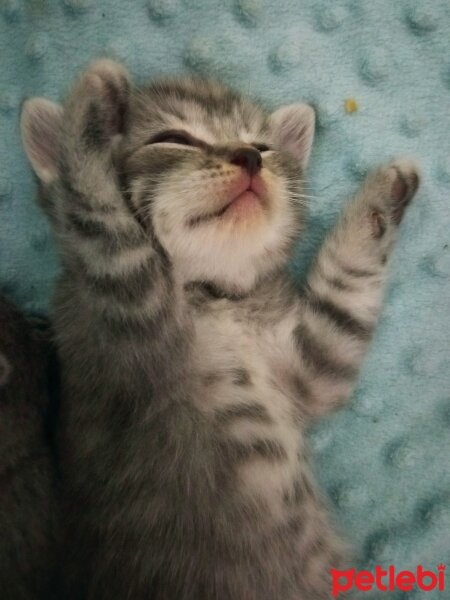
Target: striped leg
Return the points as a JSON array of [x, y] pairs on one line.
[[105, 245], [345, 287], [115, 327]]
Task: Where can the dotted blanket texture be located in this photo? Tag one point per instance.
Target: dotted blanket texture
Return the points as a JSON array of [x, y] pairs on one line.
[[378, 75]]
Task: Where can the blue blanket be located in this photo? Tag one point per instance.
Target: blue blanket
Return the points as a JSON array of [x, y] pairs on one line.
[[378, 74]]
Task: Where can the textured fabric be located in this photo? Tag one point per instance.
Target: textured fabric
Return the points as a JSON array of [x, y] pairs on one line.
[[378, 74]]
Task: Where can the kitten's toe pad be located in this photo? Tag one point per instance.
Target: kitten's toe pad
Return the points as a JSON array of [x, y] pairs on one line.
[[391, 189], [405, 182]]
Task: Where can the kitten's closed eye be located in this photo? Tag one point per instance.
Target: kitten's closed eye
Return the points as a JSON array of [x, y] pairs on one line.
[[174, 137], [183, 138]]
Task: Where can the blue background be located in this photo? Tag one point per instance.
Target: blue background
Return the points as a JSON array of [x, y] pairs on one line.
[[385, 461]]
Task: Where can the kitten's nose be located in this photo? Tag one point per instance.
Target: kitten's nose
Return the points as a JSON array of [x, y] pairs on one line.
[[248, 158]]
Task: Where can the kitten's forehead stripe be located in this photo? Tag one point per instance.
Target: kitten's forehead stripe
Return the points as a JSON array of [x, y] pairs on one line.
[[205, 108], [212, 96]]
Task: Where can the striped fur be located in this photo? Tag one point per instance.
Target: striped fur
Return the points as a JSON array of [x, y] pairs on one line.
[[191, 363]]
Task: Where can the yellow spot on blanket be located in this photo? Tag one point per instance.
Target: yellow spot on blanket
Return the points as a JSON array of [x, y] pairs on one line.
[[351, 105]]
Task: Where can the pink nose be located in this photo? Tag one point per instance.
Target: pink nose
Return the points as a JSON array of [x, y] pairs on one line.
[[248, 158]]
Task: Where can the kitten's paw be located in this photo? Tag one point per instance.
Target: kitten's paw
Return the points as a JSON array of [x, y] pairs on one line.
[[98, 104], [405, 179], [391, 188]]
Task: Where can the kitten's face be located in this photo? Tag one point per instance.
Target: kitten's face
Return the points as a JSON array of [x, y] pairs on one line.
[[215, 177], [210, 171]]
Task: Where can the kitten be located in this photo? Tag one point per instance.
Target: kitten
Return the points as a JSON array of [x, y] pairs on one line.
[[28, 515], [191, 363]]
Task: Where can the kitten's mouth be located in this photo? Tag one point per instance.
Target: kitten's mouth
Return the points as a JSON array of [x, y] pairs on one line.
[[249, 194]]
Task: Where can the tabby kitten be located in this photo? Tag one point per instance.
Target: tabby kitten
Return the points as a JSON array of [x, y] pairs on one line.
[[28, 512], [191, 363]]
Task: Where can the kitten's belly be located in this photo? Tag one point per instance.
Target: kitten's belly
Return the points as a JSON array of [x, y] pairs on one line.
[[243, 396]]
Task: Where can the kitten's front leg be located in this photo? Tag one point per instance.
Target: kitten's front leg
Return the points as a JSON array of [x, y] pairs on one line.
[[345, 287], [123, 269]]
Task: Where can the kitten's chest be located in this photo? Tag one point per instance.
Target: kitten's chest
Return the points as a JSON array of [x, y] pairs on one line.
[[240, 353], [241, 368]]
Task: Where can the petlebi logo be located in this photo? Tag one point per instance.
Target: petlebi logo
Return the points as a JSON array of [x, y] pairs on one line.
[[387, 580]]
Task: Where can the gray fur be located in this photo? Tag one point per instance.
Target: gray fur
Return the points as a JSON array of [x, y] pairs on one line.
[[28, 509], [191, 363]]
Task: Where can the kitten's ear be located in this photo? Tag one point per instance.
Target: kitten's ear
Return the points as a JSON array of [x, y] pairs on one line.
[[293, 129], [41, 124]]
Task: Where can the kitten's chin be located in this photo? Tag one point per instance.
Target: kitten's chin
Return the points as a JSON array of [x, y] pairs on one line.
[[234, 266], [244, 207], [236, 247], [246, 200], [250, 201]]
